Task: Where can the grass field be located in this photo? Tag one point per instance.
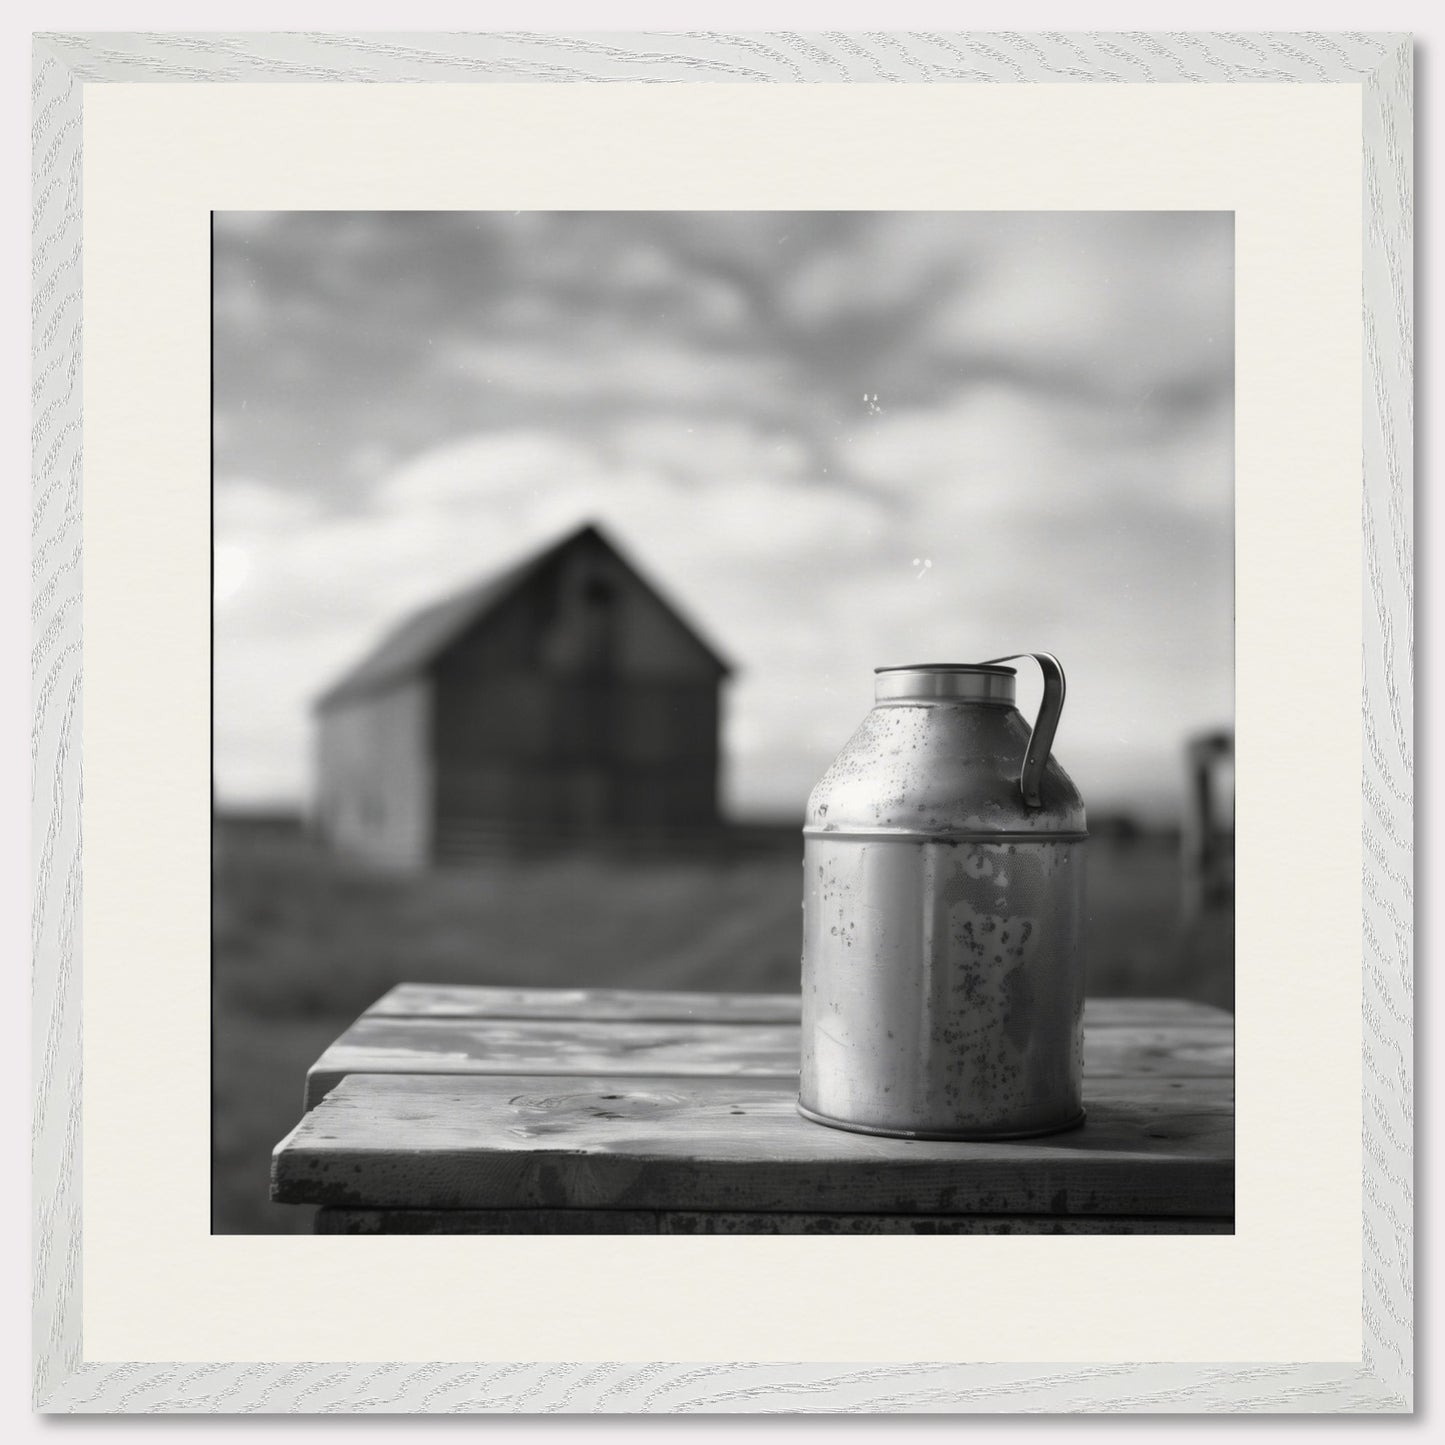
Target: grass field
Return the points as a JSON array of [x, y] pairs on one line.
[[303, 943]]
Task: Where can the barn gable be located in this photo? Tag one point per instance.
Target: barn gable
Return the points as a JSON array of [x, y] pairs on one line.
[[466, 619], [564, 699]]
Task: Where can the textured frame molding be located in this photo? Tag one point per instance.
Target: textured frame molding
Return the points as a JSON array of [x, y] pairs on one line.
[[1380, 66]]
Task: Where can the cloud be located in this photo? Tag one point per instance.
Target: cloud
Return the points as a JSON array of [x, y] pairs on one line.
[[887, 268], [1104, 307], [997, 451], [836, 441], [611, 370], [707, 448]]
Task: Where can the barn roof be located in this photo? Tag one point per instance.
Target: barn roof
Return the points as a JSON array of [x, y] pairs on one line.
[[419, 639]]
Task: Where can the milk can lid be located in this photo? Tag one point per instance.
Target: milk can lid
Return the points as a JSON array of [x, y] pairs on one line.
[[944, 681], [948, 667]]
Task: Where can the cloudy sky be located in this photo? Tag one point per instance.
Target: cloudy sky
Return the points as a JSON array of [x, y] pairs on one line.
[[836, 441]]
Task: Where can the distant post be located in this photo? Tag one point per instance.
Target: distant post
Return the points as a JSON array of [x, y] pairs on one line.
[[1207, 843]]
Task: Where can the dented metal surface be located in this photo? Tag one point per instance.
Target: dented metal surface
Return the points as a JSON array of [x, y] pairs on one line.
[[943, 965]]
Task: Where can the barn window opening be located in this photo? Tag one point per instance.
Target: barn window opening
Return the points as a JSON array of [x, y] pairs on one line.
[[599, 598]]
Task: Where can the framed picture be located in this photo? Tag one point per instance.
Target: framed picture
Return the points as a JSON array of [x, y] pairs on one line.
[[764, 374]]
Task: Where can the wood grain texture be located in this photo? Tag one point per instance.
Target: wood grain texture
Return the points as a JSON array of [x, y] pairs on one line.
[[1380, 66], [645, 1005], [386, 1045], [1387, 712], [640, 1005], [484, 1046], [738, 1144], [639, 1221], [55, 757]]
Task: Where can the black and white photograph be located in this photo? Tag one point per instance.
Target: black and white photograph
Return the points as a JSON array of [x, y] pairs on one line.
[[723, 723]]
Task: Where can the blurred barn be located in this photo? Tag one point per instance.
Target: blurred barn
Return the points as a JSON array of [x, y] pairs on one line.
[[562, 700]]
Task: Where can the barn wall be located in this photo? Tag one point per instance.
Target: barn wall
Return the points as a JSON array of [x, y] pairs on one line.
[[375, 776], [539, 751], [540, 724]]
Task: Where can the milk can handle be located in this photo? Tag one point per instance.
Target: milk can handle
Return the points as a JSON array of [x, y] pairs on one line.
[[1041, 740]]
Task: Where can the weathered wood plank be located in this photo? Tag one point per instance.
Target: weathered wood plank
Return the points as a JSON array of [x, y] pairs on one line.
[[487, 1221], [635, 1221], [386, 1045], [420, 1000], [701, 1223], [554, 1047], [1128, 1011], [1151, 1147], [424, 1000]]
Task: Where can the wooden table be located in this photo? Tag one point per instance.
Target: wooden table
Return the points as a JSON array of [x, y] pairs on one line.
[[495, 1110]]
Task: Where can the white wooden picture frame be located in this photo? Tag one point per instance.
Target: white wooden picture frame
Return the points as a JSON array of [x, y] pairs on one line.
[[1378, 67]]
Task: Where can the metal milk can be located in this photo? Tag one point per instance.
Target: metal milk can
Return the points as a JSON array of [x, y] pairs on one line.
[[943, 963]]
